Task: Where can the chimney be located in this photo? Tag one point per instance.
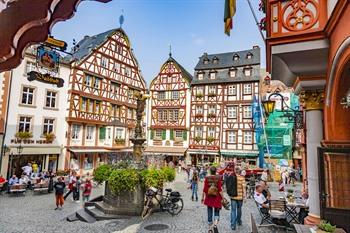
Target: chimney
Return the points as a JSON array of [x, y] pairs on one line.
[[256, 47]]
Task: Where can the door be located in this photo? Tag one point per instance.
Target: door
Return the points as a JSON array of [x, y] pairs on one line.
[[334, 177]]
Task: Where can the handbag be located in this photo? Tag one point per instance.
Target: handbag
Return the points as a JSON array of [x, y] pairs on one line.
[[225, 203]]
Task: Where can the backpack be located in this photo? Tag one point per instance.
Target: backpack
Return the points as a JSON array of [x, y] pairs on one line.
[[231, 185], [213, 186]]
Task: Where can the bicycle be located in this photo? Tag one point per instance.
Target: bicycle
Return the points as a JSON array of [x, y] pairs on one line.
[[171, 202]]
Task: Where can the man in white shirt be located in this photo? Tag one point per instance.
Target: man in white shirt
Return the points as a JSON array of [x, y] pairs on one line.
[[27, 169], [261, 199]]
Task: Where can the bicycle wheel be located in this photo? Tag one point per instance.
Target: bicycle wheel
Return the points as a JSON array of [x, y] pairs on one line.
[[147, 209], [174, 208]]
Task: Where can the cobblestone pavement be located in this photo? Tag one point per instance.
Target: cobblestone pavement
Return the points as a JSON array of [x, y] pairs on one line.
[[35, 213]]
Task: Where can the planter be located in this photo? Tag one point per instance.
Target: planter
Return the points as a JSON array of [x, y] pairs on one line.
[[211, 95], [199, 115]]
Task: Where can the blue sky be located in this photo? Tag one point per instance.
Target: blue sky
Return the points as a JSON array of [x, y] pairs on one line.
[[190, 26]]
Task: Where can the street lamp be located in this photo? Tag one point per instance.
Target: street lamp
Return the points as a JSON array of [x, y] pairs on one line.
[[19, 149]]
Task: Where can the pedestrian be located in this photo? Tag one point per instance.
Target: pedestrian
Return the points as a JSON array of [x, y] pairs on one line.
[[237, 191], [59, 190], [264, 176], [211, 197], [87, 190], [71, 184], [51, 175], [76, 189], [284, 176], [194, 185]]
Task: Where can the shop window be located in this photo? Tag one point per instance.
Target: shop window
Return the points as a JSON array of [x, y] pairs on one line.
[[88, 162]]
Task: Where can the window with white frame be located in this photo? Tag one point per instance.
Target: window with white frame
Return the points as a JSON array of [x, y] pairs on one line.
[[211, 132], [232, 137], [199, 109], [104, 62], [235, 57], [27, 95], [24, 124], [115, 88], [247, 137], [247, 89], [88, 80], [212, 75], [160, 115], [175, 94], [212, 89], [90, 104], [30, 66], [212, 109], [158, 133], [232, 90], [247, 71], [233, 73], [200, 76], [97, 83], [198, 132], [75, 131], [200, 90], [83, 104], [215, 60], [127, 71], [249, 56], [119, 133], [176, 115], [247, 112], [232, 112], [116, 67], [178, 134], [97, 109], [109, 133], [48, 125], [51, 99], [90, 130], [161, 95], [171, 115]]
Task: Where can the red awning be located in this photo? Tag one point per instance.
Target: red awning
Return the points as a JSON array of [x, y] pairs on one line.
[[24, 22]]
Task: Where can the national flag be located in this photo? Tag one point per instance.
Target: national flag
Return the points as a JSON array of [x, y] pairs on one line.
[[230, 11]]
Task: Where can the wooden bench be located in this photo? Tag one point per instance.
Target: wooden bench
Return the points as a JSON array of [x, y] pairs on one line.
[[41, 187], [18, 189]]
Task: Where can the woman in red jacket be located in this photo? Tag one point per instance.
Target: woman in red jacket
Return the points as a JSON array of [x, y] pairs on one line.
[[212, 197]]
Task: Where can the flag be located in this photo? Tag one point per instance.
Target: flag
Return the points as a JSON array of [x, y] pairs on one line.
[[230, 11]]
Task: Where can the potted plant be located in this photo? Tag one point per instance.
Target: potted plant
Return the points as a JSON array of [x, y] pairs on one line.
[[119, 141], [211, 115], [197, 139], [325, 227], [23, 135], [49, 137], [211, 94], [210, 139], [199, 95], [199, 115]]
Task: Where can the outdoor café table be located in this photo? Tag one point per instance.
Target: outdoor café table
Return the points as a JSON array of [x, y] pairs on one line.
[[291, 210], [308, 229]]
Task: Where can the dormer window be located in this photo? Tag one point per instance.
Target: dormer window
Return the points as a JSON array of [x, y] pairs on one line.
[[212, 75], [205, 60], [235, 57], [200, 76], [215, 60], [247, 71], [249, 56], [233, 72]]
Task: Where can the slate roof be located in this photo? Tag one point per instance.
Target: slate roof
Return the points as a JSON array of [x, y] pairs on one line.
[[88, 43], [225, 60]]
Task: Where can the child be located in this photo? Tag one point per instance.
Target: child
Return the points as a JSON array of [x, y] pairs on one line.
[[59, 188], [87, 190]]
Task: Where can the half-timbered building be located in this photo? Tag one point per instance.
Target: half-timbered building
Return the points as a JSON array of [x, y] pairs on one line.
[[102, 107], [223, 89], [168, 112]]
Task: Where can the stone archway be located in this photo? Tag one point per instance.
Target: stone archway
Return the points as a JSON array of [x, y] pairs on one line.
[[337, 119]]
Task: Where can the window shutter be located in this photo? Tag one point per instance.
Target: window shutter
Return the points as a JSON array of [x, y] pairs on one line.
[[185, 134], [102, 134], [152, 134], [171, 134], [163, 134]]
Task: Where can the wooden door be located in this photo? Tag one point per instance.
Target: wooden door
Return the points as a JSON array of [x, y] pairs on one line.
[[334, 175]]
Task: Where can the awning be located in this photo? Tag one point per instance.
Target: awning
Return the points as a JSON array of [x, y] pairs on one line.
[[239, 154], [178, 151], [37, 150], [202, 152]]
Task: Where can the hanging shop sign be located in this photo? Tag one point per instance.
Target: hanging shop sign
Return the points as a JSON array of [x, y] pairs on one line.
[[48, 59], [45, 78], [59, 44]]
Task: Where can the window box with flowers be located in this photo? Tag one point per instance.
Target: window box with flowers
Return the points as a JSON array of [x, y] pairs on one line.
[[210, 139], [199, 95], [211, 115], [199, 115], [198, 139], [119, 141], [211, 94], [23, 135], [49, 137]]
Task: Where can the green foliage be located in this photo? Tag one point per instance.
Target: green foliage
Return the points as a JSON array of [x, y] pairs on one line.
[[123, 180], [215, 165], [197, 139], [121, 165], [210, 139], [326, 226], [169, 173], [119, 141], [49, 137], [199, 95], [24, 135], [152, 177], [102, 173]]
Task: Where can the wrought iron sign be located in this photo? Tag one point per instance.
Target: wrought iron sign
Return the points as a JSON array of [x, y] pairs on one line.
[[45, 78]]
